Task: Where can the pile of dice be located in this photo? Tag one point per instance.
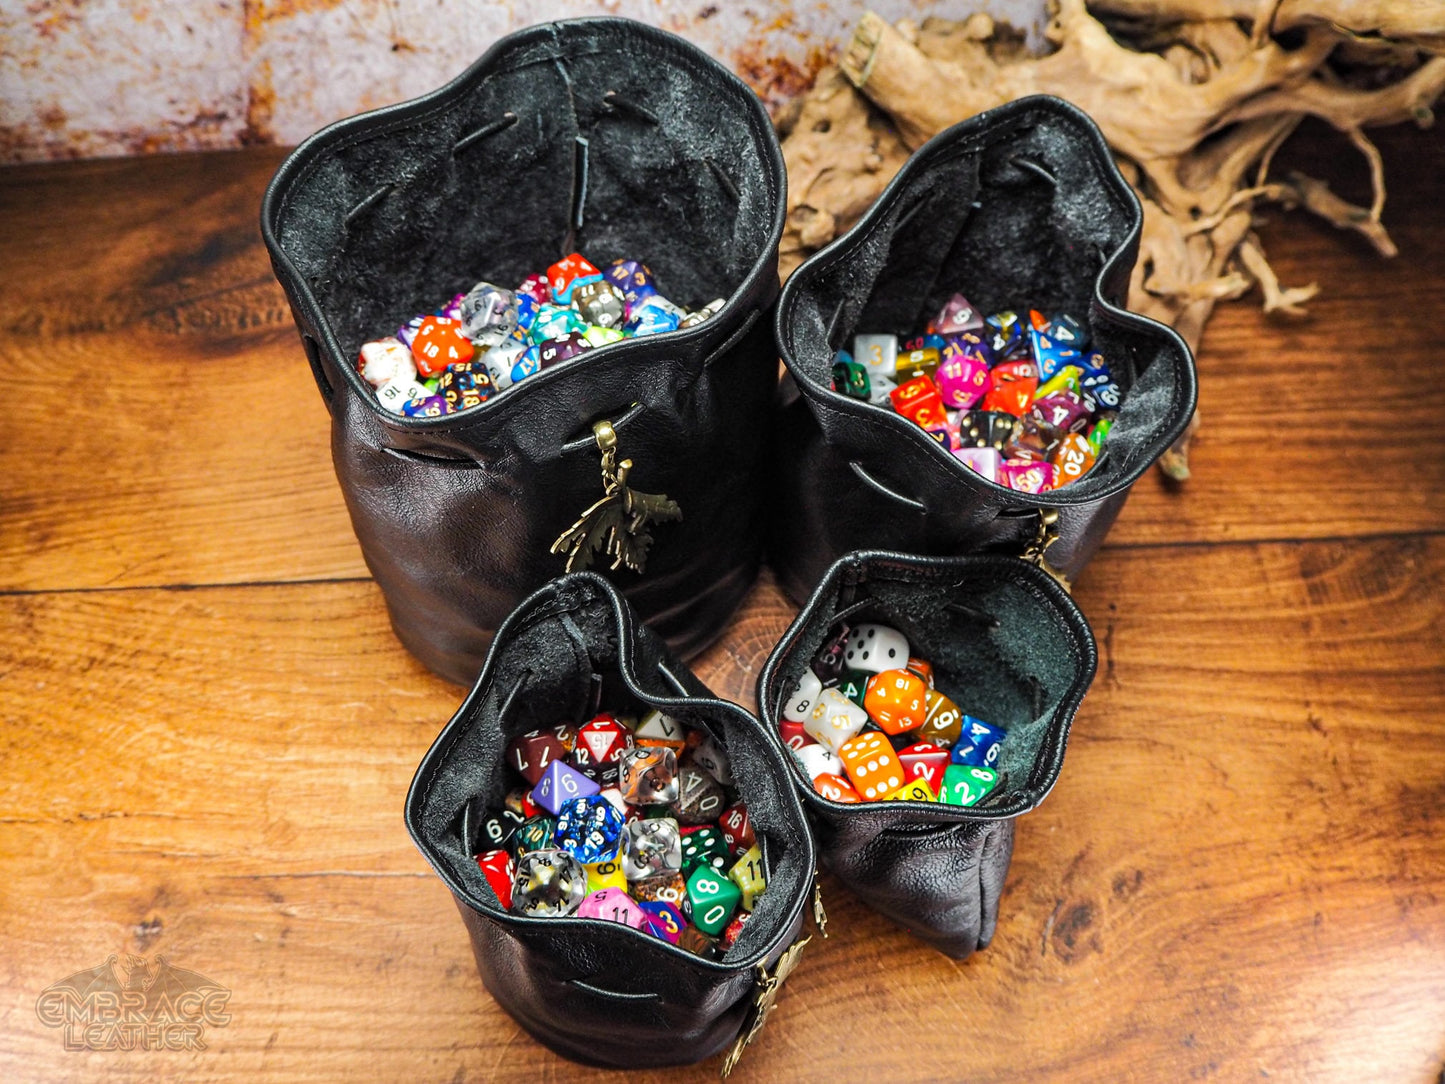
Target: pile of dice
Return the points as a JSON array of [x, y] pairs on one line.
[[867, 725], [626, 820], [483, 341], [1027, 407]]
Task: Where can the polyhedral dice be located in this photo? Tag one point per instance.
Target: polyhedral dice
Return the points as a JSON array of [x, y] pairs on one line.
[[499, 870], [817, 759], [834, 720], [1066, 379], [652, 848], [942, 722], [922, 667], [527, 310], [700, 797], [603, 336], [876, 648], [535, 287], [854, 684], [699, 943], [599, 747], [704, 314], [1099, 434], [534, 834], [828, 661], [933, 420], [1066, 331], [737, 828], [567, 347], [567, 274], [987, 429], [836, 789], [712, 757], [385, 360], [1011, 388], [957, 315], [548, 883], [606, 874], [601, 303], [664, 920], [925, 760], [964, 785], [653, 315], [793, 734], [1072, 459], [703, 847], [498, 829], [982, 461], [1005, 333], [465, 385], [613, 795], [1031, 440], [433, 406], [589, 829], [1099, 392], [560, 783], [669, 888], [878, 354], [613, 905], [714, 898], [1026, 477], [979, 744], [397, 394], [1060, 413], [555, 322], [895, 701], [1051, 356], [632, 278], [872, 765], [500, 360], [488, 313], [648, 775], [407, 332], [962, 381], [851, 379], [747, 874], [915, 790], [799, 704], [915, 363], [880, 389], [911, 395], [659, 729], [735, 928], [520, 802], [531, 753], [439, 342]]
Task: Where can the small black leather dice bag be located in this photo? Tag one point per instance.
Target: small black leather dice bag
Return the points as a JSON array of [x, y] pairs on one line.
[[1019, 207], [1008, 646], [601, 136], [600, 992]]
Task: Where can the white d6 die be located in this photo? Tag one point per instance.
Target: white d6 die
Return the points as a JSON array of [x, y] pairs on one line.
[[818, 760], [876, 648], [834, 719]]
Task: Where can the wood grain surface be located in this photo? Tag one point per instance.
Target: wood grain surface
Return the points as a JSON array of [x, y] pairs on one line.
[[208, 727]]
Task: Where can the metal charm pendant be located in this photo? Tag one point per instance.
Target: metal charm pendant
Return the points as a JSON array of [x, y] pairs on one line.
[[765, 998], [1035, 552], [616, 525]]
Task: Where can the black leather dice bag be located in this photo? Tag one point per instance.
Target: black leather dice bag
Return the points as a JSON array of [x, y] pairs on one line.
[[603, 136], [599, 992], [1007, 646], [1019, 207]]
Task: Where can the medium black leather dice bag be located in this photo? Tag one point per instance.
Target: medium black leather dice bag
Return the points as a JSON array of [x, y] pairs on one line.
[[594, 991], [602, 136], [1019, 207], [1007, 646]]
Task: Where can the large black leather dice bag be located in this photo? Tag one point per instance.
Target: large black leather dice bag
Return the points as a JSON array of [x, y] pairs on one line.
[[1019, 207], [603, 136], [594, 991], [1007, 646]]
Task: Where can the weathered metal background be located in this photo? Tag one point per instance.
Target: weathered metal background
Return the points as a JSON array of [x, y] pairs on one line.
[[81, 78]]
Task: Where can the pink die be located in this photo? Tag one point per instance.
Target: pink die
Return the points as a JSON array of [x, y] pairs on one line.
[[1027, 477], [962, 379], [535, 287], [986, 461], [613, 905], [958, 315]]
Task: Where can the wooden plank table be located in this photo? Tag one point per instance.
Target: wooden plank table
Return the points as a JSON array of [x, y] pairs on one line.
[[209, 728]]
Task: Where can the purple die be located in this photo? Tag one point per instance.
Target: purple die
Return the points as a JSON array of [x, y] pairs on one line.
[[559, 784], [407, 332], [433, 406], [590, 829], [452, 310], [979, 744], [632, 278], [614, 905], [967, 344], [569, 346], [962, 380], [958, 315], [1060, 413], [985, 461], [664, 921]]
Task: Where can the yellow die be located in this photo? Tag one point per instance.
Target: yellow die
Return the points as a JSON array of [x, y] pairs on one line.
[[916, 790], [747, 874], [607, 874]]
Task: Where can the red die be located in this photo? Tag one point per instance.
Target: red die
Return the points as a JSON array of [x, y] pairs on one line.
[[497, 867], [836, 789], [793, 734], [1011, 388], [909, 396], [604, 739], [532, 752], [567, 273], [737, 829], [925, 760], [922, 667], [895, 701], [439, 342]]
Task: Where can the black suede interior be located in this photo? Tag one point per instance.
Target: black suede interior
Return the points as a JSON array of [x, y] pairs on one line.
[[558, 660], [488, 180], [1005, 648], [1020, 207]]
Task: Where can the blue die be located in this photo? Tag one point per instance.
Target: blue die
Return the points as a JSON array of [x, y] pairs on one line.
[[979, 744], [590, 829]]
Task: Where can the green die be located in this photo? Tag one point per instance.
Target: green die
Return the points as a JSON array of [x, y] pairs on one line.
[[854, 684], [705, 847], [747, 874], [535, 834], [966, 785], [714, 899], [851, 379]]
